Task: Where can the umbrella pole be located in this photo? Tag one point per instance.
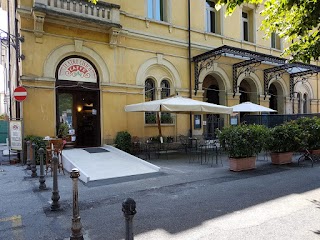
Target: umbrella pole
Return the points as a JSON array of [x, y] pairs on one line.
[[159, 127]]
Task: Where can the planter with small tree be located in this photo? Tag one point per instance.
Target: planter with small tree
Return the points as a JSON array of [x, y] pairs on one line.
[[283, 140], [243, 143]]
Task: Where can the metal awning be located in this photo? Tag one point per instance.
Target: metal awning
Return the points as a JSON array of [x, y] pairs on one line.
[[250, 60]]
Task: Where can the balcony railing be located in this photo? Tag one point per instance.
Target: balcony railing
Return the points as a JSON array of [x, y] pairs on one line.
[[101, 12]]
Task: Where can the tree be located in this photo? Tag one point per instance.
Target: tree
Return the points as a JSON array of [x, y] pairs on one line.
[[296, 21]]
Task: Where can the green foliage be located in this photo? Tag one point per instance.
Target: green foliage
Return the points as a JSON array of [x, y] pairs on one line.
[[150, 118], [287, 137], [4, 117], [63, 130], [243, 140], [295, 21], [311, 132], [166, 118], [123, 141], [93, 1], [40, 143]]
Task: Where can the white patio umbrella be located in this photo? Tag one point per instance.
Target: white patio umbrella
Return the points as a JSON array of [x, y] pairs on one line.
[[251, 107], [177, 104]]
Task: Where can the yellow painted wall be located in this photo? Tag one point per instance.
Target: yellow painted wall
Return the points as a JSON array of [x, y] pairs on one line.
[[39, 111], [140, 40]]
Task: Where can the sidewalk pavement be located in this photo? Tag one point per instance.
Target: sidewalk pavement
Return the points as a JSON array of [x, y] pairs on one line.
[[25, 210]]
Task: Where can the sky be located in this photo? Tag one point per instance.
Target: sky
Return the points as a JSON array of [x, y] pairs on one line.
[[3, 26], [3, 19]]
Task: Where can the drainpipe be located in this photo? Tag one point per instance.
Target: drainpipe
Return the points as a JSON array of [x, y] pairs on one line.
[[17, 45], [9, 60], [189, 58]]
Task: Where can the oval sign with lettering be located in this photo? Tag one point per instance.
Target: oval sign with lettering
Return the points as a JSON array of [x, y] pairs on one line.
[[77, 69]]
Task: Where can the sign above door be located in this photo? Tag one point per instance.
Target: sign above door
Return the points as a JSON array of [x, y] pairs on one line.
[[77, 69]]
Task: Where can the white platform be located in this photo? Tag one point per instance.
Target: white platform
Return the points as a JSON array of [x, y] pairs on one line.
[[114, 165]]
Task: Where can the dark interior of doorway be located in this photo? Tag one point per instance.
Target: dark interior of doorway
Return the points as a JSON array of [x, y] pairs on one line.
[[84, 115], [213, 121]]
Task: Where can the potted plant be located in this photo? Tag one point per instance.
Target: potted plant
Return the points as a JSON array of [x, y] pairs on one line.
[[63, 130], [243, 143], [311, 132], [123, 141], [283, 140]]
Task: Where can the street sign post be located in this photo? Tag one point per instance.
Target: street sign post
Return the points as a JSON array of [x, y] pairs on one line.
[[20, 94]]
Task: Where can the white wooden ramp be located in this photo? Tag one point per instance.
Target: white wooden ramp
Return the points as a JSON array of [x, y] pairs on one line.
[[107, 163]]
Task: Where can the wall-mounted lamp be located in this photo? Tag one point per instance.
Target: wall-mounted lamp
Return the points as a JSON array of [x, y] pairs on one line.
[[79, 108]]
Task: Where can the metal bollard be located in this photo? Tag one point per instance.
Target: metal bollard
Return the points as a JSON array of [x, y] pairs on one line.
[[42, 180], [28, 156], [55, 205], [33, 165], [129, 210], [76, 223]]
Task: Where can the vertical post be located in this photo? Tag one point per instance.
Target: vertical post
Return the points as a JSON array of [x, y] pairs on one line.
[[129, 210], [33, 165], [42, 180], [76, 223], [28, 156], [55, 205]]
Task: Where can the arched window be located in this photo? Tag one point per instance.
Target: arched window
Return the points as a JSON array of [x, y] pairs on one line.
[[165, 89], [165, 92], [149, 95], [305, 103], [149, 90]]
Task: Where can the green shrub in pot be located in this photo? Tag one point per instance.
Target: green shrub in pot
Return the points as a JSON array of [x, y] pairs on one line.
[[287, 137], [243, 140]]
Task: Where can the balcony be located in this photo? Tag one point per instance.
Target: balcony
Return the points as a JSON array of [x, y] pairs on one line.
[[102, 13]]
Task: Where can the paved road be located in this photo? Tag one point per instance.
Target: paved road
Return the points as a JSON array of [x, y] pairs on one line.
[[188, 201]]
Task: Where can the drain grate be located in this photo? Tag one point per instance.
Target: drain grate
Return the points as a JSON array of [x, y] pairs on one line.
[[95, 150]]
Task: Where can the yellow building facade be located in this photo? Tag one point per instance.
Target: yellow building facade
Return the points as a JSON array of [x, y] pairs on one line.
[[84, 63]]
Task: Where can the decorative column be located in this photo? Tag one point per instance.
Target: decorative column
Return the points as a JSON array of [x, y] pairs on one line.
[[55, 205], [28, 156], [76, 223], [33, 165], [129, 210], [42, 180]]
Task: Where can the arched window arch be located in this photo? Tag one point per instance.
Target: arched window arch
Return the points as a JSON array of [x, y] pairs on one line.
[[305, 103]]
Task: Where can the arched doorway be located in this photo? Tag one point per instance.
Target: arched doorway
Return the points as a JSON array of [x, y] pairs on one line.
[[276, 100], [78, 100], [248, 93], [214, 92], [273, 100]]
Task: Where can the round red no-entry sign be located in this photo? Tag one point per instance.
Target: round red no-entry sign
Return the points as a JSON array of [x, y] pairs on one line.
[[20, 94]]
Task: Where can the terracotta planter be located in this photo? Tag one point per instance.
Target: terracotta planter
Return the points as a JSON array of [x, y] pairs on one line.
[[281, 158], [241, 164]]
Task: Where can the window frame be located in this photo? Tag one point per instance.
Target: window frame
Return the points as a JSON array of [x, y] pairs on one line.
[[247, 21], [275, 41], [158, 10], [209, 12], [158, 92]]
